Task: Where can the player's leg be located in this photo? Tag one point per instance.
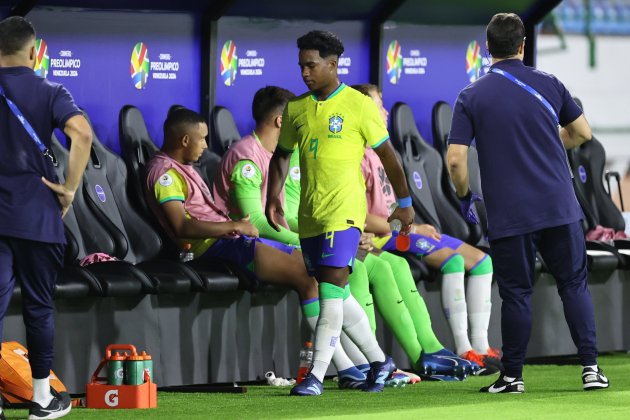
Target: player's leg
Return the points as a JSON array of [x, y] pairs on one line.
[[391, 305], [478, 295], [413, 301], [564, 250], [360, 289], [37, 266]]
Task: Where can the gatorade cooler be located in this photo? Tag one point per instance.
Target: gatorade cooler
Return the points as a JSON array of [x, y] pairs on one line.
[[100, 394]]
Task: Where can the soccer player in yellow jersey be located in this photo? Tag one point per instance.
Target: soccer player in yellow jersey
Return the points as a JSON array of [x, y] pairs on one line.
[[330, 126]]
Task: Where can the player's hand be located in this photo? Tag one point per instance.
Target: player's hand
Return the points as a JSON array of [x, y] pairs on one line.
[[64, 195], [405, 215], [244, 227], [467, 207], [274, 212], [365, 243], [428, 231]]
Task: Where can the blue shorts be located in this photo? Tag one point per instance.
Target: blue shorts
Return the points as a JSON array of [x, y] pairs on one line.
[[331, 249], [424, 245], [241, 251]]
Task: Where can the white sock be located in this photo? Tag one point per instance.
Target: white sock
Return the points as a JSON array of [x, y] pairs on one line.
[[454, 305], [357, 326], [353, 352], [594, 367], [41, 391], [340, 358], [326, 334], [478, 298]]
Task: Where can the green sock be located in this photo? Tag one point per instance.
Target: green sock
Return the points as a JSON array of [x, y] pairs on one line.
[[392, 306], [414, 301], [360, 289]]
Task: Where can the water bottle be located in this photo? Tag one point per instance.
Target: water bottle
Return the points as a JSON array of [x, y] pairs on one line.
[[115, 369], [186, 254], [306, 359], [148, 364], [134, 370], [403, 243]]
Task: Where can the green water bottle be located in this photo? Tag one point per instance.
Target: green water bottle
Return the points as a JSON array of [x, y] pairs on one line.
[[148, 364], [134, 370], [115, 369]]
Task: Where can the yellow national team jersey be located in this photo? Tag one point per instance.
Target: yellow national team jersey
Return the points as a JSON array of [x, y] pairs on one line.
[[172, 186], [331, 136]]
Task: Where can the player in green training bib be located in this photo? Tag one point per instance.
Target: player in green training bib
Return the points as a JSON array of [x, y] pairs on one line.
[[330, 126]]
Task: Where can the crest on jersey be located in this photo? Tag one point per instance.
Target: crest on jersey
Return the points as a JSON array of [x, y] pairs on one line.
[[335, 123]]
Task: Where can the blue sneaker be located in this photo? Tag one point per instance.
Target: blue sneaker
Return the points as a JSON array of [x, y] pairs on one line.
[[445, 362], [379, 373], [352, 378], [309, 386]]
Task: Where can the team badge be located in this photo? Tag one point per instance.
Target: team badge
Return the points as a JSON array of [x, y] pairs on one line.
[[166, 180], [424, 245], [335, 123], [294, 173], [248, 171]]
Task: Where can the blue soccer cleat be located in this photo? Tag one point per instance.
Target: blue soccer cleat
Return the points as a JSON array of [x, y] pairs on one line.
[[308, 387], [445, 363], [397, 380], [352, 378], [379, 373]]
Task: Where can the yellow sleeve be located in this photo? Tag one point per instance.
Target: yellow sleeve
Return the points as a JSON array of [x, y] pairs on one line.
[[288, 135], [170, 186], [372, 127]]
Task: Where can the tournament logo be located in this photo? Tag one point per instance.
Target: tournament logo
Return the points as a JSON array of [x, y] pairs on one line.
[[394, 62], [42, 61], [140, 65], [417, 179], [335, 123], [294, 173], [473, 61], [229, 63], [582, 173]]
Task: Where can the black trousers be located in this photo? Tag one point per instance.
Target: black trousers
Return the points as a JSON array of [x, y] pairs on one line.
[[35, 267], [563, 249]]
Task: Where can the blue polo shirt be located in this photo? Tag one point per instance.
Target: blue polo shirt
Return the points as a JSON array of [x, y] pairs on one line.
[[28, 208], [525, 179]]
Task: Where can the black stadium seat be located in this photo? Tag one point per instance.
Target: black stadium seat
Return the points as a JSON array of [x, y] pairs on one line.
[[587, 164], [441, 124], [424, 166], [137, 149], [223, 131], [85, 235]]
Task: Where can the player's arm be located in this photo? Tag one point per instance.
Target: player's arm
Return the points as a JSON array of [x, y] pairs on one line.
[[170, 192], [183, 227], [576, 133], [248, 199], [292, 199], [457, 158], [278, 168], [404, 212], [79, 131], [377, 225]]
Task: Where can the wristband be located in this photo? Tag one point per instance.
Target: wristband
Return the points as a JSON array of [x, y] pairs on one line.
[[404, 202]]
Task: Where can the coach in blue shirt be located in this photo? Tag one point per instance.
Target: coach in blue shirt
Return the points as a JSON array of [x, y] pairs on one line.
[[32, 202], [522, 121]]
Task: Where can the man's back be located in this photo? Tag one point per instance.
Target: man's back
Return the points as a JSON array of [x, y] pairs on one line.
[[524, 172], [28, 208]]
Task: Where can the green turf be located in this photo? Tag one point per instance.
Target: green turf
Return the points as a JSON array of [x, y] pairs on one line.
[[552, 392]]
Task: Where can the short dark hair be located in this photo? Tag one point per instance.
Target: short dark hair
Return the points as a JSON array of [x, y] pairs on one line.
[[325, 42], [366, 88], [174, 108], [505, 33], [15, 33], [179, 121], [269, 101]]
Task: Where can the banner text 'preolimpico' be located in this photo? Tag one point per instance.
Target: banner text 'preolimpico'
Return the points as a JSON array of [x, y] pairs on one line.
[[421, 65], [111, 59], [254, 53]]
